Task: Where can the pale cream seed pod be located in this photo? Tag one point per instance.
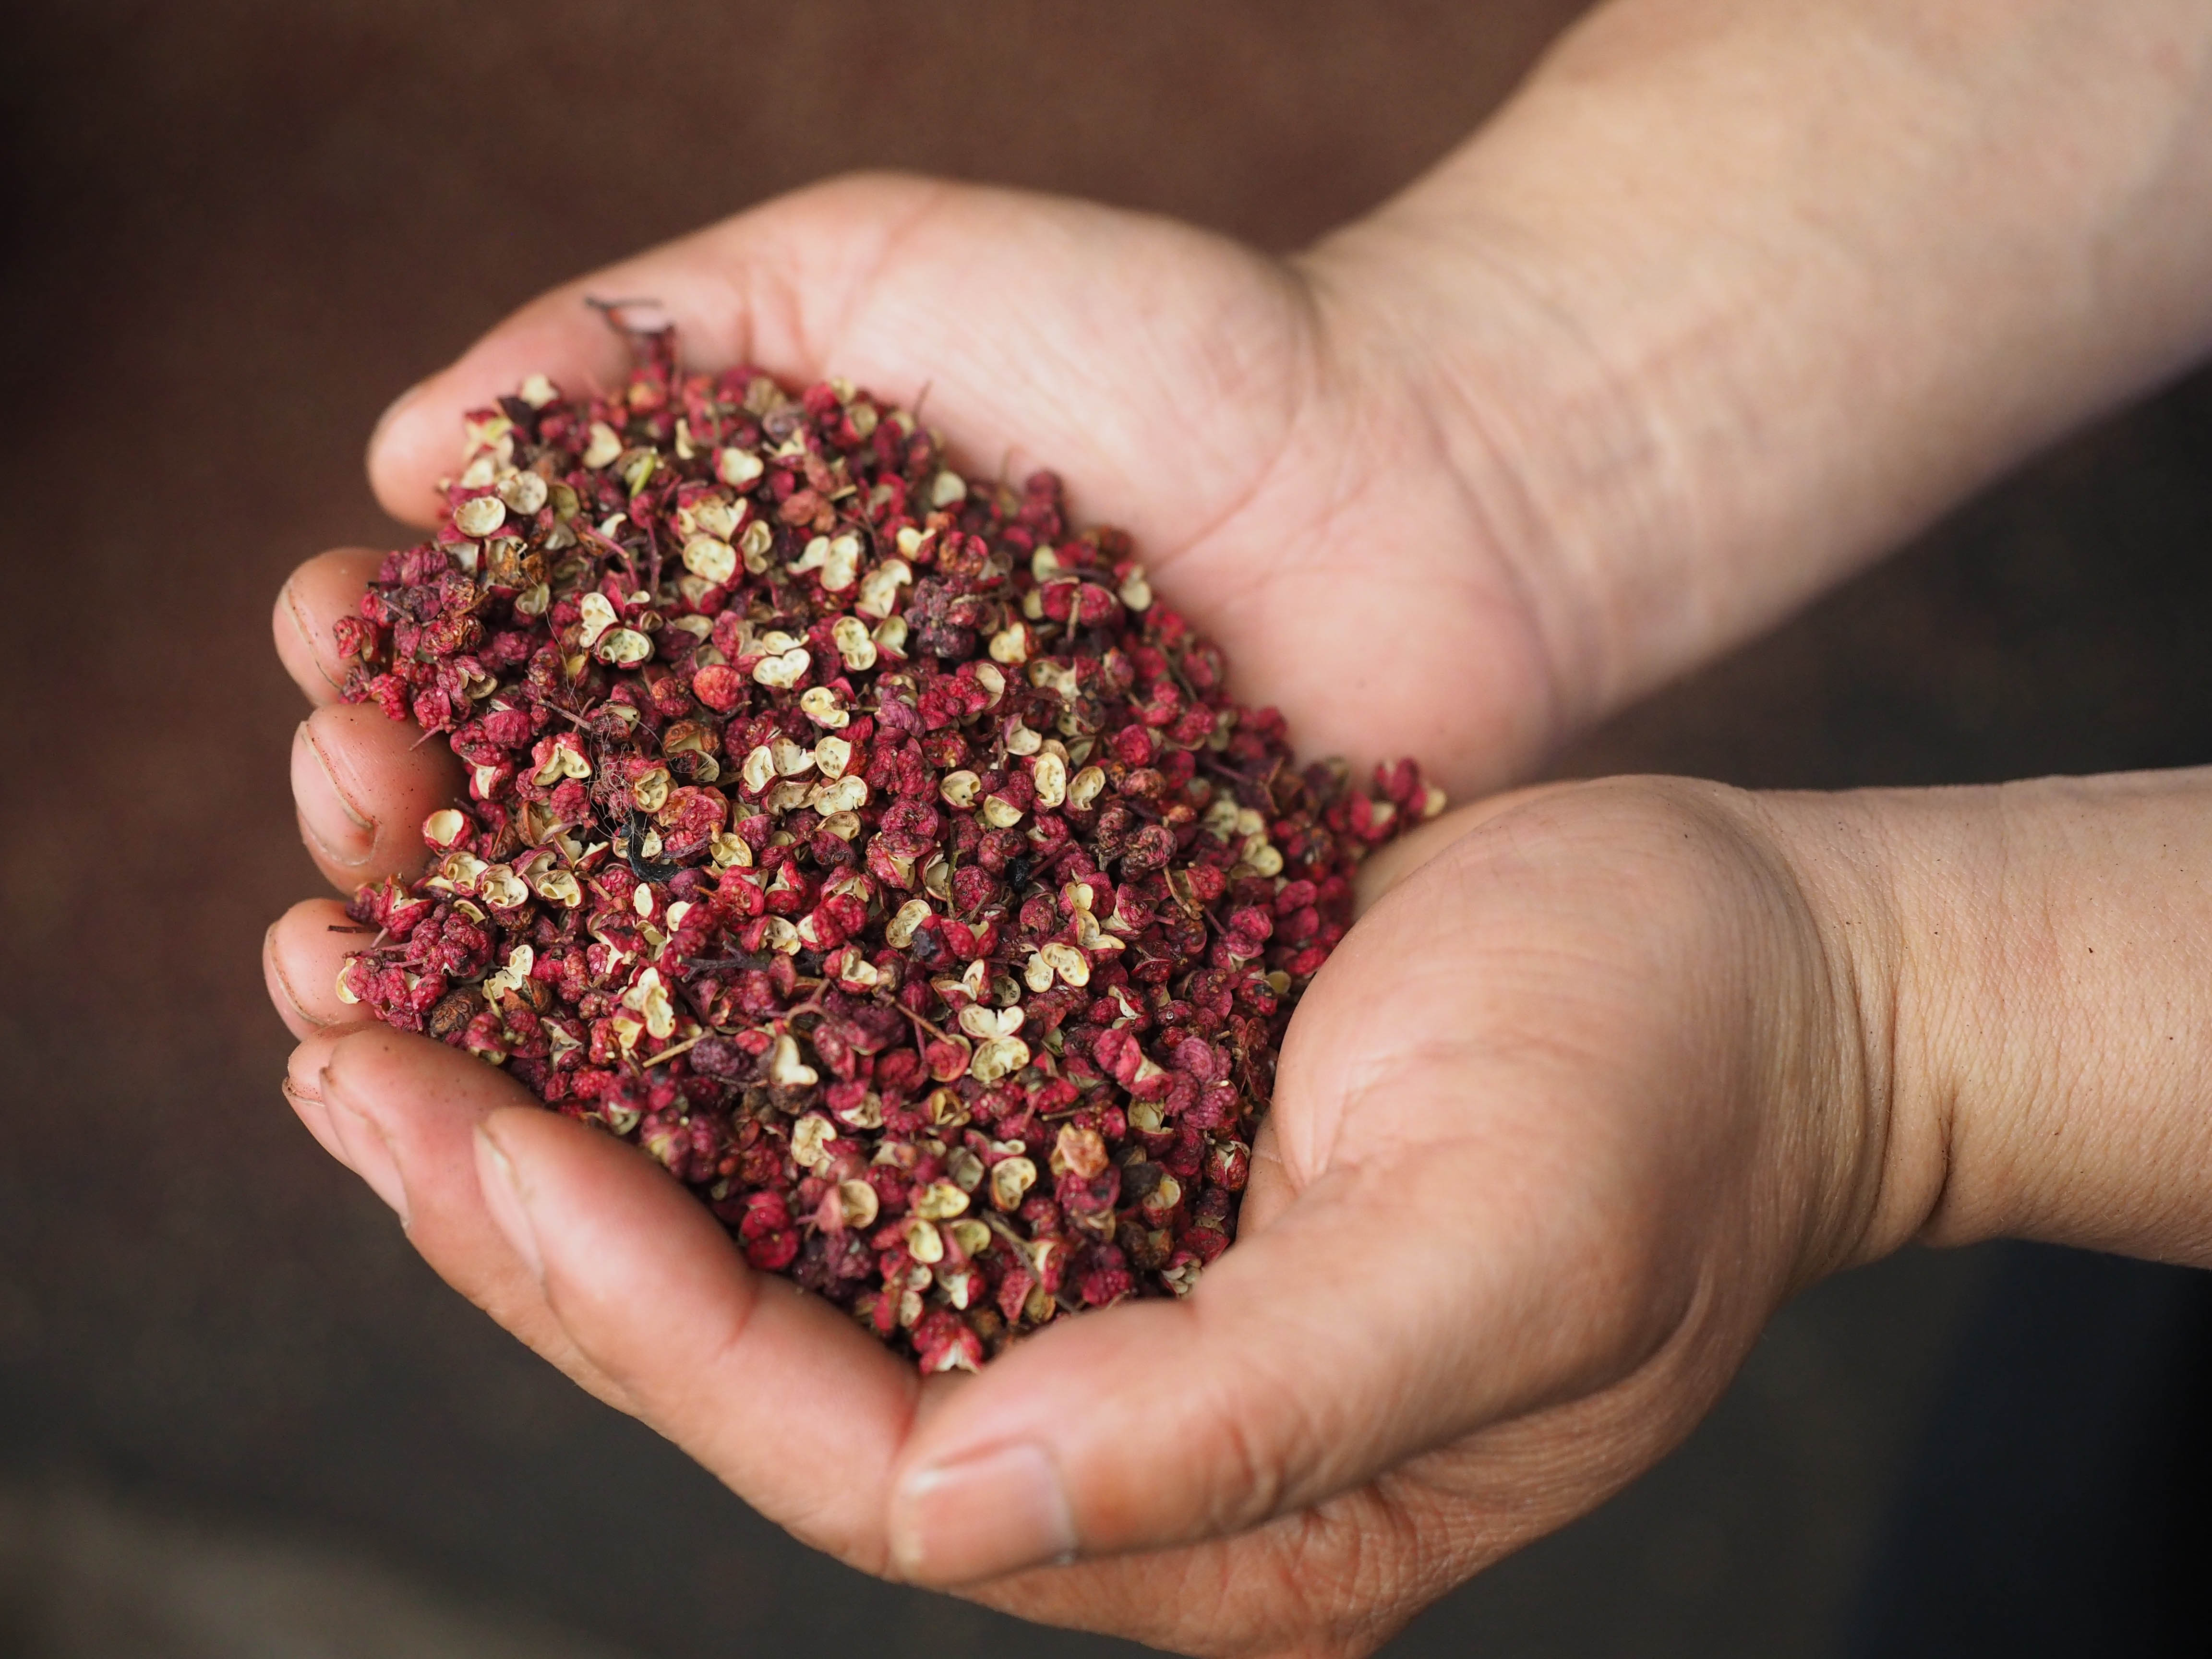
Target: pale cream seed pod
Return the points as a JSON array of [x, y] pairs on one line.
[[605, 446]]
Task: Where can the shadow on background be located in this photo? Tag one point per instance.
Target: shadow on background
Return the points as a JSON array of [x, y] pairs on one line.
[[86, 1576], [236, 1414], [2057, 1506]]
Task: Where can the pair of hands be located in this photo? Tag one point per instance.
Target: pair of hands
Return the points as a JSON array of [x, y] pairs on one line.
[[1524, 1199], [1729, 299]]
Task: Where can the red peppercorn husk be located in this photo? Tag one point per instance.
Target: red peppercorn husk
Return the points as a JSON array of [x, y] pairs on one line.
[[868, 847]]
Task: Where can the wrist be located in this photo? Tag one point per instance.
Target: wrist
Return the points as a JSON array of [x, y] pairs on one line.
[[2032, 992], [1710, 316], [1550, 440]]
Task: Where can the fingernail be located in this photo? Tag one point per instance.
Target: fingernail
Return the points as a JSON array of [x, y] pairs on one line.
[[502, 1196], [978, 1517], [317, 1116], [283, 985], [367, 1152], [307, 637], [334, 824], [392, 410]]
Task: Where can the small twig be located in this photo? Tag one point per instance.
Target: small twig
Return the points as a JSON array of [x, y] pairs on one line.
[[554, 708], [934, 1031], [674, 1049]]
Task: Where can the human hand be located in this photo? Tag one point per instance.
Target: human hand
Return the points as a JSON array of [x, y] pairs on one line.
[[1660, 352], [1572, 1109], [1575, 1106], [1277, 463]]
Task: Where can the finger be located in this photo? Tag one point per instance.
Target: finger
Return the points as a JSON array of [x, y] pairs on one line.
[[302, 955], [363, 783], [772, 1388], [1342, 1576], [303, 1089], [308, 606], [401, 1112], [764, 287], [1309, 1359]]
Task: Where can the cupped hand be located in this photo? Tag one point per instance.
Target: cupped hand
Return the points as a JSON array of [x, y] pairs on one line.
[[1572, 1109], [1264, 429]]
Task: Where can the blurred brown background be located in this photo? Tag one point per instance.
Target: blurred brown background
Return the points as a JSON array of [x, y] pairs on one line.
[[236, 1414]]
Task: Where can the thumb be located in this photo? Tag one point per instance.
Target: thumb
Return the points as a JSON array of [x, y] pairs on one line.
[[1388, 1309]]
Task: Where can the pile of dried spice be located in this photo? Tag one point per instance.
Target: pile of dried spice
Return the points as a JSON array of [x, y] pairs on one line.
[[872, 849]]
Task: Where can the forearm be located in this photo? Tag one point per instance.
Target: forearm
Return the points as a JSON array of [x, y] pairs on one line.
[[1733, 297], [2031, 971]]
